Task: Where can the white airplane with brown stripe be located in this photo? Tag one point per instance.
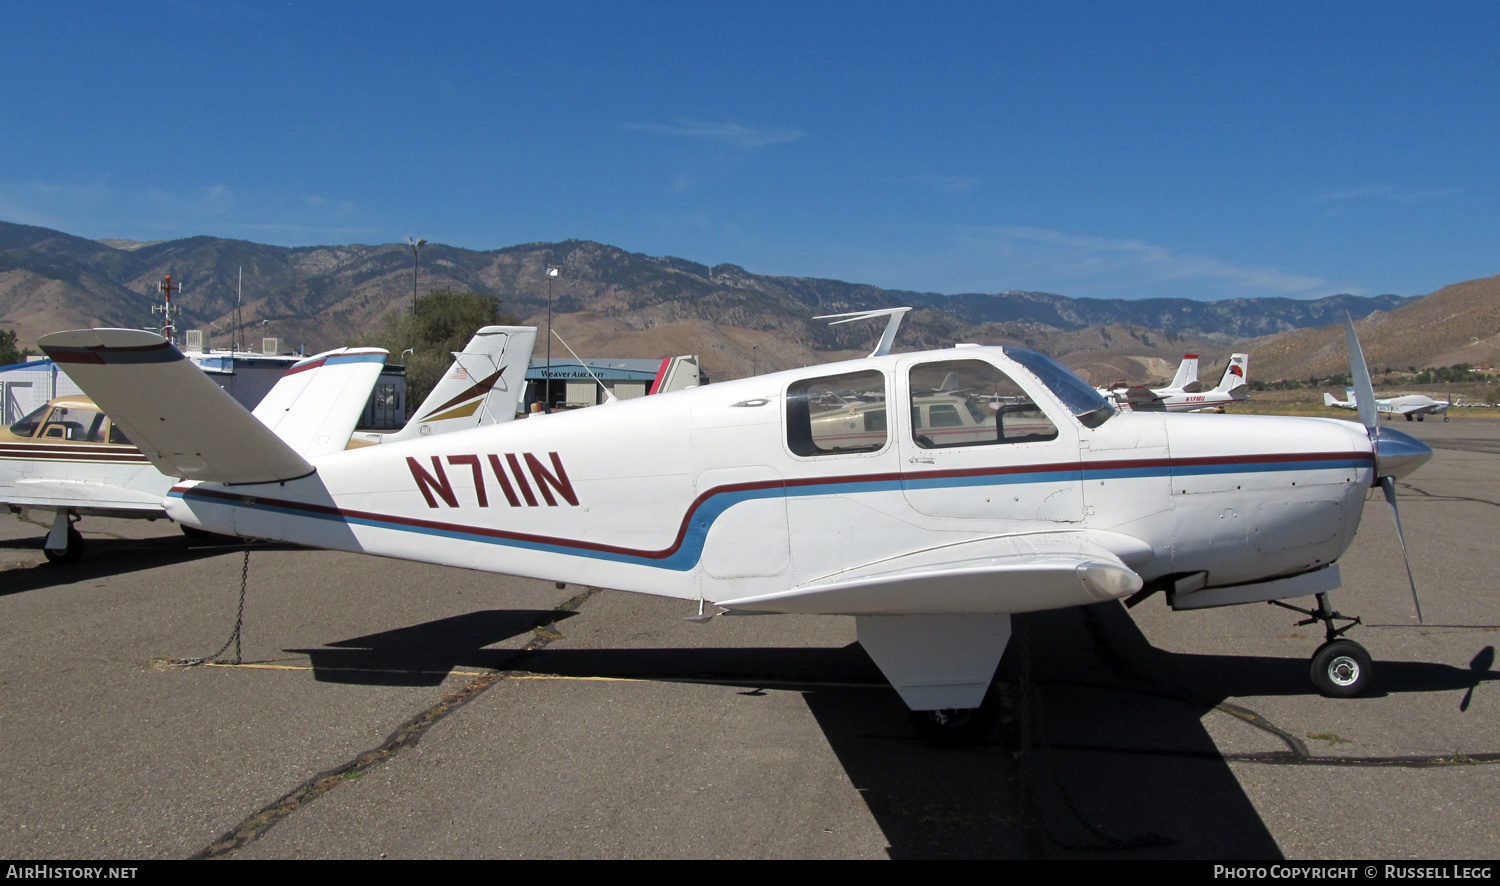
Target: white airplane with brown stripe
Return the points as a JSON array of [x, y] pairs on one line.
[[821, 491]]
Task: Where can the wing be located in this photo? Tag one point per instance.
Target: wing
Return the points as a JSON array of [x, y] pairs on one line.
[[186, 425], [49, 493], [1002, 574]]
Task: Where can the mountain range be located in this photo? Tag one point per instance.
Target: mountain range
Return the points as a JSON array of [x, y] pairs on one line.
[[610, 302]]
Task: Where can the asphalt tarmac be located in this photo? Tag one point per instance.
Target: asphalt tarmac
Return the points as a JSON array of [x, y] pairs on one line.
[[390, 709]]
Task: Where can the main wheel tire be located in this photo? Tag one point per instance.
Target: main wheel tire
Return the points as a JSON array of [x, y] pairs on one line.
[[1341, 669], [959, 727], [70, 554]]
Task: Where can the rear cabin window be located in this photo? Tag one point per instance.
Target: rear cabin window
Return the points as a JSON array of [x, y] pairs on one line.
[[972, 403], [837, 414]]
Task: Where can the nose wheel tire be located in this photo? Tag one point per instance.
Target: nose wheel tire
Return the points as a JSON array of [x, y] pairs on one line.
[[1341, 669]]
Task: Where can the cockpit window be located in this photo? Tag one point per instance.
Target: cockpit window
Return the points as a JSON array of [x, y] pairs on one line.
[[1086, 404], [837, 414], [972, 403], [28, 425]]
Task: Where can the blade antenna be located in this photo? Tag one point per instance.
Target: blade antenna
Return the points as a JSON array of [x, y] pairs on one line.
[[887, 338], [609, 396]]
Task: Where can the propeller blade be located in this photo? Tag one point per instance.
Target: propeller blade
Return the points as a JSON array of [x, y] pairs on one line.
[[1359, 376], [1388, 485]]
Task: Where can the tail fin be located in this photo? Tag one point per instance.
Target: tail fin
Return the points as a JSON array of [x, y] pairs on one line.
[[677, 373], [1187, 373], [1330, 400], [482, 387], [317, 403], [1235, 374]]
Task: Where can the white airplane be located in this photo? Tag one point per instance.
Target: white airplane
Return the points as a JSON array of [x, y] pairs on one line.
[[1232, 388], [1413, 406], [1185, 381], [70, 458], [739, 496]]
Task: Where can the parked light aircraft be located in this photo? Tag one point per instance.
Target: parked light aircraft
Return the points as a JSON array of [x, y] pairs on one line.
[[482, 387], [1413, 406], [70, 458], [1185, 381], [1190, 398], [737, 496]]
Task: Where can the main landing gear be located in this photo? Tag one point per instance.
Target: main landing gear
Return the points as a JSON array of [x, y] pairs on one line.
[[64, 544], [959, 727], [1340, 668]]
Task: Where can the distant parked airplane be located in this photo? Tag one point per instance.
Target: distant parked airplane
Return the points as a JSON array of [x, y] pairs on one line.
[[1185, 395], [1413, 406]]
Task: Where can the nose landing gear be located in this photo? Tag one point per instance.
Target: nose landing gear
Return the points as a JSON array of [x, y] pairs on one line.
[[1340, 668]]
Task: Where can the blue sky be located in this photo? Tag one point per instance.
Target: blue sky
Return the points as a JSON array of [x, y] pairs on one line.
[[1112, 150]]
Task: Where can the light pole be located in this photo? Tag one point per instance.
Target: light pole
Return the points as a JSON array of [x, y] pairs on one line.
[[547, 397], [416, 246]]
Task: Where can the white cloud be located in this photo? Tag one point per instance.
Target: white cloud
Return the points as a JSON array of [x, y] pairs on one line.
[[736, 134], [104, 210], [1060, 257], [951, 185], [1387, 192]]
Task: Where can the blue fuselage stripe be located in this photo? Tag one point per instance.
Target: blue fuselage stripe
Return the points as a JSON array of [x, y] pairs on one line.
[[694, 534]]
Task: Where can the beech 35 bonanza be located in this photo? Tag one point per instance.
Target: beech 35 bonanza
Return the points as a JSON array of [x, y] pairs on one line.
[[814, 491]]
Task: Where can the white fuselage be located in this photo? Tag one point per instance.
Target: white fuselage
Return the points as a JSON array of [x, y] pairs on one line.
[[703, 493]]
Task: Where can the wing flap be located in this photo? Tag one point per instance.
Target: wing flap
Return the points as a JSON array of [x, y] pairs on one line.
[[186, 425], [1004, 574]]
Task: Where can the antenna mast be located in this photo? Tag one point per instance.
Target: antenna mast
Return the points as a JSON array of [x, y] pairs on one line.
[[239, 324], [167, 287]]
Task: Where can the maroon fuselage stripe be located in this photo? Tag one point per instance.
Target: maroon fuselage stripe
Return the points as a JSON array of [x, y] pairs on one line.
[[697, 503]]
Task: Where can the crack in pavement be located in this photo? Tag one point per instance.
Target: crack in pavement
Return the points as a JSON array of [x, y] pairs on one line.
[[1296, 753], [405, 736], [1428, 496]]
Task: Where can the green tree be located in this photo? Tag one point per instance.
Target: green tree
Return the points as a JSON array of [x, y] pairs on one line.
[[8, 352], [443, 322]]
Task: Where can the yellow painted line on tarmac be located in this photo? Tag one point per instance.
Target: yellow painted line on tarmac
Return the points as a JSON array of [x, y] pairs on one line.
[[704, 681], [279, 667]]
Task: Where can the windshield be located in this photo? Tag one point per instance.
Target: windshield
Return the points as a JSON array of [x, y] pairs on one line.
[[1086, 404], [28, 425]]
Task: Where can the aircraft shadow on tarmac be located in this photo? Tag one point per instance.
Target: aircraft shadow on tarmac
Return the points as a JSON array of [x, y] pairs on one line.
[[108, 557], [425, 654], [1103, 753]]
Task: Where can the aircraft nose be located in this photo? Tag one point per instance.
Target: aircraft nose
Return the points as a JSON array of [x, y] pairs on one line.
[[1398, 454]]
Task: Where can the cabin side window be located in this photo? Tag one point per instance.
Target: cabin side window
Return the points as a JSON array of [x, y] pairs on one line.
[[74, 424], [837, 414], [972, 403]]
